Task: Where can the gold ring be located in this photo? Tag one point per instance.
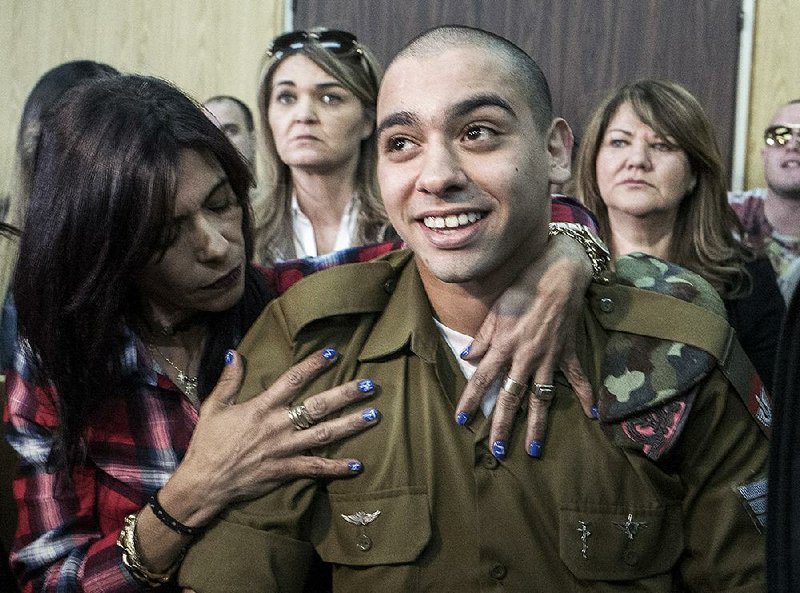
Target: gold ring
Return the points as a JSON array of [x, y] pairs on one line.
[[515, 388], [300, 417], [544, 392]]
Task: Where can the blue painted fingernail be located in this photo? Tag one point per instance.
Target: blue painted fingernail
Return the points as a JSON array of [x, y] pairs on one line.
[[465, 352], [462, 418], [595, 412], [370, 415], [229, 357], [535, 449], [355, 466], [366, 386], [499, 449], [329, 353]]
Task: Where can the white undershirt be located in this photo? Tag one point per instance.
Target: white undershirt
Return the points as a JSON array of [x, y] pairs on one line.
[[305, 244], [457, 342]]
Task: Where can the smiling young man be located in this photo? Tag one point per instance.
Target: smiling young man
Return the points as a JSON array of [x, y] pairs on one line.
[[661, 494], [481, 163]]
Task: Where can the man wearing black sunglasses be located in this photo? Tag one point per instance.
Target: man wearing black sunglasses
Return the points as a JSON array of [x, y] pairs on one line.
[[771, 215]]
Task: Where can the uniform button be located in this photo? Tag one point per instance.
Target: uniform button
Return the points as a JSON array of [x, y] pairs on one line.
[[606, 305], [498, 572], [490, 462], [390, 285], [364, 543], [631, 557]]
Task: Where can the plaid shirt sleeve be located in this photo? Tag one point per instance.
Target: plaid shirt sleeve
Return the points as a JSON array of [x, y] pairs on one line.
[[59, 543], [284, 274], [567, 209]]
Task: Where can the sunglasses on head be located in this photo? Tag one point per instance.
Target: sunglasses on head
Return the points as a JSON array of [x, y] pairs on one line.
[[780, 134], [340, 43]]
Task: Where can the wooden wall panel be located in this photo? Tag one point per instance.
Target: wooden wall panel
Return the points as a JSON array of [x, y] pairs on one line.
[[206, 47], [209, 47], [775, 74], [585, 47]]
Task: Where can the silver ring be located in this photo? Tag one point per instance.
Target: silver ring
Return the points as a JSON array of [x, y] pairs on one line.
[[515, 388], [544, 392], [300, 417]]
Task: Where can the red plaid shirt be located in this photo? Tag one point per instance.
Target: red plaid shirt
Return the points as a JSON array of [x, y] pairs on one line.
[[68, 525]]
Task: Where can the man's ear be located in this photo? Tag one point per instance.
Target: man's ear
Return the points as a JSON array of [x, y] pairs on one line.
[[369, 123], [692, 184], [559, 145]]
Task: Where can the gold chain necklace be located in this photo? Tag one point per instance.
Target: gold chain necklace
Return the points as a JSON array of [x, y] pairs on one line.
[[185, 382]]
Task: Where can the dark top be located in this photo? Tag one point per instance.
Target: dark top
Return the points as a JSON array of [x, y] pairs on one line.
[[757, 319], [783, 527]]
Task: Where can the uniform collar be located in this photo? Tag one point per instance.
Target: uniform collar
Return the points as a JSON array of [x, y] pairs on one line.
[[406, 320]]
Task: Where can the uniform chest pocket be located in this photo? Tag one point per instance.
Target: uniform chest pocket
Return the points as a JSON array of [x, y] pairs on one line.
[[373, 528], [605, 543]]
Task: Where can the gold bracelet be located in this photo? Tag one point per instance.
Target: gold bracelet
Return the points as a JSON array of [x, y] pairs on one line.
[[595, 249], [129, 543]]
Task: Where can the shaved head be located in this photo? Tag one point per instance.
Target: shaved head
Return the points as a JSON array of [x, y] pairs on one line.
[[526, 71]]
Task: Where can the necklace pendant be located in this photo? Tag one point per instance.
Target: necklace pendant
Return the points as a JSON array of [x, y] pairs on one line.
[[184, 382], [187, 384], [166, 330]]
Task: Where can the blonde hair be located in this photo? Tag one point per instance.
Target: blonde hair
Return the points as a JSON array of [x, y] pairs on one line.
[[360, 73], [704, 237]]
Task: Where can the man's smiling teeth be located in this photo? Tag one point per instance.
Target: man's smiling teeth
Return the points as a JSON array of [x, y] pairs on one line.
[[451, 221]]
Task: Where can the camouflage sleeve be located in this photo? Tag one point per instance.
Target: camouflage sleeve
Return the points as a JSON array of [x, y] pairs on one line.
[[665, 394]]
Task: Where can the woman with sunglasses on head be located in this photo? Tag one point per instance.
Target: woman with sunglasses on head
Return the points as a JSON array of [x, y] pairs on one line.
[[317, 103], [649, 166]]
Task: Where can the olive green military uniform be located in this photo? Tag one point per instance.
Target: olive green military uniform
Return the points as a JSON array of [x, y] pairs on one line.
[[434, 511]]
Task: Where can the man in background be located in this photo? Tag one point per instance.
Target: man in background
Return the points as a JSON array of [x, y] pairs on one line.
[[771, 215], [235, 119]]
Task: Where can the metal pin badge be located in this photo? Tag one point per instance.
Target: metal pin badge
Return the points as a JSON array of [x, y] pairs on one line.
[[631, 528], [362, 519], [764, 412], [583, 529]]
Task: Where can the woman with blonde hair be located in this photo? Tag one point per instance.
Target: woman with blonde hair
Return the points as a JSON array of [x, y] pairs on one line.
[[650, 168], [317, 108]]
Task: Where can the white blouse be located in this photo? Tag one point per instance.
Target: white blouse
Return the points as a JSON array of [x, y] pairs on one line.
[[305, 243]]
